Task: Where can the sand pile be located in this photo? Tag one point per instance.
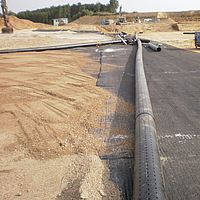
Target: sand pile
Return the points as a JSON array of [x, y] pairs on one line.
[[19, 24], [48, 107], [160, 26], [162, 15], [52, 117], [164, 25], [189, 26]]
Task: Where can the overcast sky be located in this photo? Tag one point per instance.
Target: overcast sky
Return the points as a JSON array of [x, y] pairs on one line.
[[127, 5]]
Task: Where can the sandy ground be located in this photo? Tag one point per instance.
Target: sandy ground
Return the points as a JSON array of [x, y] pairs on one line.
[[176, 39], [47, 107], [31, 38]]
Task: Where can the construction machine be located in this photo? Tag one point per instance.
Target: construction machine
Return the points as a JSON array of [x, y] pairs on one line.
[[137, 19], [8, 28], [121, 19]]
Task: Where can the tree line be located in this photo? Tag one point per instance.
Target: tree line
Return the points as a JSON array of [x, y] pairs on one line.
[[72, 12]]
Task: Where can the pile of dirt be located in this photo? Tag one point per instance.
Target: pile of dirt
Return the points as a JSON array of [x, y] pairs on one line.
[[130, 17], [189, 26], [20, 24], [185, 16], [162, 15], [72, 24], [52, 117], [71, 177], [48, 108], [166, 25], [169, 22]]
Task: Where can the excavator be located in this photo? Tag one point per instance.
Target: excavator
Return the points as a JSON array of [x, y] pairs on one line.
[[8, 28], [121, 19]]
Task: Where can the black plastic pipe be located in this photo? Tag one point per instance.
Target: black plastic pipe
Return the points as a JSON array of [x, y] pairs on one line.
[[144, 40], [154, 47], [147, 175], [59, 47], [188, 32]]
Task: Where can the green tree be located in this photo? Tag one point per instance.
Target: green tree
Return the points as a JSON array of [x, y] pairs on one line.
[[114, 4], [103, 8], [98, 7], [71, 12], [85, 12], [79, 7], [60, 11], [11, 13], [68, 8]]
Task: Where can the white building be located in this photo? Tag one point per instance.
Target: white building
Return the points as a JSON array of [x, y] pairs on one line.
[[57, 21]]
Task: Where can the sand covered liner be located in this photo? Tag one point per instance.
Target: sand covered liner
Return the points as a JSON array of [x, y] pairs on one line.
[[47, 108]]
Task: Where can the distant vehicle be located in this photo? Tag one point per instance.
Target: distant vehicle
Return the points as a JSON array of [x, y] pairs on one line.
[[197, 39], [147, 20], [108, 22]]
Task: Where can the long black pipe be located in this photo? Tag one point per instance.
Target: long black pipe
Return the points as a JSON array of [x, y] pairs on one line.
[[59, 47], [147, 177], [188, 32]]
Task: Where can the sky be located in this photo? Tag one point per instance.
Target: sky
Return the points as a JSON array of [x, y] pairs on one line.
[[127, 5]]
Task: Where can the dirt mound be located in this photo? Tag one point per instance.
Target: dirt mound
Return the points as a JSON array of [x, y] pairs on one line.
[[72, 24], [161, 26], [189, 26], [77, 27], [19, 24], [93, 23], [56, 120], [165, 25], [47, 108], [185, 16], [96, 20], [162, 15], [87, 23], [130, 17]]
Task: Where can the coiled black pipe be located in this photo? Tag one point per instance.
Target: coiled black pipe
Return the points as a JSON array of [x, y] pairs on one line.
[[147, 176]]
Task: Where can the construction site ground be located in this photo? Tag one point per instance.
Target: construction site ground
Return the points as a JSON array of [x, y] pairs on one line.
[[50, 104]]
